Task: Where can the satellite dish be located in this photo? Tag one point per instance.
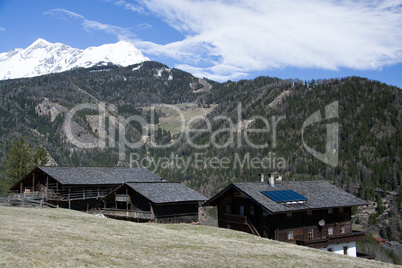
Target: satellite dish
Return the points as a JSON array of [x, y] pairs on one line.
[[321, 223]]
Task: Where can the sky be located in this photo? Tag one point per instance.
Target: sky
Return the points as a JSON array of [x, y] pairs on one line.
[[227, 39]]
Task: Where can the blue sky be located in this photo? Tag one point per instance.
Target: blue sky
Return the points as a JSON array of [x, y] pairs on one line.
[[224, 39]]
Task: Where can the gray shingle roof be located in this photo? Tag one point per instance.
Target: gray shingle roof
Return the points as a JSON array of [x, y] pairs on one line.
[[320, 194], [99, 175], [166, 192]]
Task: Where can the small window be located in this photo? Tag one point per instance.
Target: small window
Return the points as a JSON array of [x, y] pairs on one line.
[[342, 229], [252, 211], [345, 250], [330, 230], [228, 226], [264, 234], [264, 213], [309, 212], [310, 234], [289, 214], [290, 234], [241, 211], [330, 211], [228, 209], [340, 210]]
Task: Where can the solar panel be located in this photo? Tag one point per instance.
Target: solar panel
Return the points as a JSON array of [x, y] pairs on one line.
[[284, 196]]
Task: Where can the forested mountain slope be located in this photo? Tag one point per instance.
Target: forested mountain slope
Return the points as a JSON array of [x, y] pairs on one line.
[[367, 115]]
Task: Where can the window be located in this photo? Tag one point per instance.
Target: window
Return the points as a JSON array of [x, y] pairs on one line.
[[290, 234], [289, 214], [342, 229], [310, 234], [228, 226], [330, 211], [228, 209], [309, 212], [252, 211], [345, 250], [264, 234], [340, 210], [264, 213], [330, 230], [241, 210]]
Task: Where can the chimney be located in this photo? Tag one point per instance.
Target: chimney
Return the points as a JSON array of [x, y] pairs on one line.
[[261, 176], [271, 180]]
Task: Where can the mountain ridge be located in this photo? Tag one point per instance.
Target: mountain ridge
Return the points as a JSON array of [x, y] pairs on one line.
[[43, 57]]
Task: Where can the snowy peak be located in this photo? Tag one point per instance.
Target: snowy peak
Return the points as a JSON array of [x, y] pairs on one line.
[[42, 57]]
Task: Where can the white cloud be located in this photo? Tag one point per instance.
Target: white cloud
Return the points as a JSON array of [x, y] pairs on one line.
[[2, 29], [130, 6], [228, 39], [89, 25], [63, 14]]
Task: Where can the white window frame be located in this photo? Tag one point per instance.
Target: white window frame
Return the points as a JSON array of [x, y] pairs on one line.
[[330, 230], [310, 233], [290, 234], [289, 214], [309, 212]]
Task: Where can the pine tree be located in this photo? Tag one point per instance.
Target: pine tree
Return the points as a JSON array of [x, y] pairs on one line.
[[21, 158]]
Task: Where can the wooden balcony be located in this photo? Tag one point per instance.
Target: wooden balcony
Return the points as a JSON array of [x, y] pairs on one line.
[[241, 220], [333, 239], [128, 214], [236, 219]]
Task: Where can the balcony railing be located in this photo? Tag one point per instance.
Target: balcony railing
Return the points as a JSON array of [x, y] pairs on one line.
[[340, 238], [128, 214], [237, 219], [241, 220]]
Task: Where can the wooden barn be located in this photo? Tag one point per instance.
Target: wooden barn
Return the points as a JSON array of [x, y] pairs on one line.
[[162, 202], [310, 213], [80, 188]]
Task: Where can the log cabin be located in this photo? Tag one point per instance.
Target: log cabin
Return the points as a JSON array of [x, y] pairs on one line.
[[79, 188], [125, 193], [160, 202], [309, 213]]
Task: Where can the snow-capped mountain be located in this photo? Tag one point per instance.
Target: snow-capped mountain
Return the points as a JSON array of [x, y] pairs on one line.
[[43, 57]]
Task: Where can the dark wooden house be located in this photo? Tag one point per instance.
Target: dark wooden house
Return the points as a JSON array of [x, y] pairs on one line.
[[80, 188], [310, 213], [162, 202]]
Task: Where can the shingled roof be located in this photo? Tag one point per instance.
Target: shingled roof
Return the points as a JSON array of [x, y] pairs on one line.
[[165, 192], [96, 175], [319, 194]]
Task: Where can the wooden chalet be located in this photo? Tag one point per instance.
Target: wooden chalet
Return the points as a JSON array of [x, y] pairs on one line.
[[309, 213], [162, 202], [80, 188]]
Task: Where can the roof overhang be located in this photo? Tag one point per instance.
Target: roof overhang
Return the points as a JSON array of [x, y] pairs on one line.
[[213, 201], [37, 168]]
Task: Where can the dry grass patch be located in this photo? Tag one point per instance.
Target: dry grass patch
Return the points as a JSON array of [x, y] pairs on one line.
[[171, 120], [59, 237]]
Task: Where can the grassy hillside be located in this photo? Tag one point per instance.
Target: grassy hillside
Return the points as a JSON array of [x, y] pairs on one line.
[[59, 237]]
